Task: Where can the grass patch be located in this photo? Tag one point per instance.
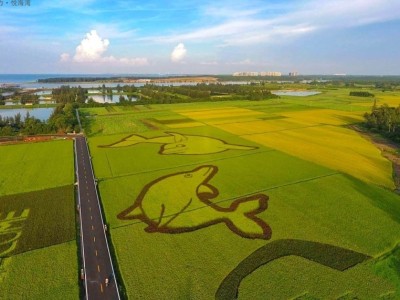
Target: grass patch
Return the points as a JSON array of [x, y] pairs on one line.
[[49, 273], [388, 266]]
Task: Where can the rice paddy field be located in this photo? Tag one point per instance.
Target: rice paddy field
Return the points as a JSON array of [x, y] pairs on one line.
[[274, 199], [50, 165], [38, 252]]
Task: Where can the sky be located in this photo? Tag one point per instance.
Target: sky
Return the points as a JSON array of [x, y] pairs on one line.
[[200, 37]]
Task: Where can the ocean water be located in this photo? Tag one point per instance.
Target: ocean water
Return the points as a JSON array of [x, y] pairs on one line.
[[28, 78], [30, 81], [31, 78]]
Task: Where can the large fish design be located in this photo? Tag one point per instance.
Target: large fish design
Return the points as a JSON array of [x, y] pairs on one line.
[[180, 202], [176, 143]]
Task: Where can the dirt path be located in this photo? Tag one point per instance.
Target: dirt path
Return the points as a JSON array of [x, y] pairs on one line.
[[389, 150]]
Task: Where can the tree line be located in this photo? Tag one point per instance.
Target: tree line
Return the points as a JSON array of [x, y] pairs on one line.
[[384, 120], [361, 94], [67, 94]]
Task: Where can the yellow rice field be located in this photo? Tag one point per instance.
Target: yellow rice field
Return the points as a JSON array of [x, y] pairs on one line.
[[334, 147], [389, 99], [315, 135]]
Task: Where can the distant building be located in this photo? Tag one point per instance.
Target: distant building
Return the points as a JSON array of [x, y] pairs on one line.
[[275, 74], [293, 73]]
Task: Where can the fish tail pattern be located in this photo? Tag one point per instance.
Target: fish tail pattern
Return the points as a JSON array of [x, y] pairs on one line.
[[243, 219]]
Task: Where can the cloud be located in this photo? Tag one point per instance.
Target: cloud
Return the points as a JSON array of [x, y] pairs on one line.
[[65, 57], [114, 31], [138, 61], [91, 48], [179, 53], [241, 25]]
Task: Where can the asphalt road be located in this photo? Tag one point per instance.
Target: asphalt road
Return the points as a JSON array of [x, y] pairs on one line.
[[97, 263]]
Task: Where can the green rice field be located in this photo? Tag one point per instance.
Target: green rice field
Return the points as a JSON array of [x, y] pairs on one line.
[[193, 193], [36, 166], [38, 250]]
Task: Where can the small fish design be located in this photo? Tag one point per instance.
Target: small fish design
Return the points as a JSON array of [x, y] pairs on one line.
[[180, 144], [180, 202]]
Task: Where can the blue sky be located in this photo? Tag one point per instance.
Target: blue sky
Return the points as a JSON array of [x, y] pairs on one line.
[[201, 37]]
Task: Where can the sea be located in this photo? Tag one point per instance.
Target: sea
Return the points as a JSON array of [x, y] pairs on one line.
[[31, 80]]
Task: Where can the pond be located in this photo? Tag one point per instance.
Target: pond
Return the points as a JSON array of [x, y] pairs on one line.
[[43, 93], [295, 93], [39, 113], [107, 98]]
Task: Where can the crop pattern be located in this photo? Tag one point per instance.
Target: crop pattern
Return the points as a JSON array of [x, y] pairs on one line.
[[173, 204]]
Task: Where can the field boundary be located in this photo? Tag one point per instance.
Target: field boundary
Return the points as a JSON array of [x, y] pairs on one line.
[[37, 249], [287, 129], [389, 150], [189, 165]]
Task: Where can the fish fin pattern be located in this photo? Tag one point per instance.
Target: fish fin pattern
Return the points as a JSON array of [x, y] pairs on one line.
[[131, 213], [128, 141], [243, 219]]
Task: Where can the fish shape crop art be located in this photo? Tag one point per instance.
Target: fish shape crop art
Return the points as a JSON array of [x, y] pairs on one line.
[[181, 202], [181, 144]]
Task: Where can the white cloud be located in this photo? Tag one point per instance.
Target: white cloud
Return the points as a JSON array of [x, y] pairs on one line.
[[64, 57], [245, 26], [179, 53], [91, 48], [113, 31]]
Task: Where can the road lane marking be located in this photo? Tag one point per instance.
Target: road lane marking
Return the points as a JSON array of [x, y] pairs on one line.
[[96, 252], [94, 239], [101, 287], [92, 227], [98, 268], [91, 218], [90, 208]]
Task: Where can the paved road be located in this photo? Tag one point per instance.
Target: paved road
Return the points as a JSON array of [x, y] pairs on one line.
[[97, 263]]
